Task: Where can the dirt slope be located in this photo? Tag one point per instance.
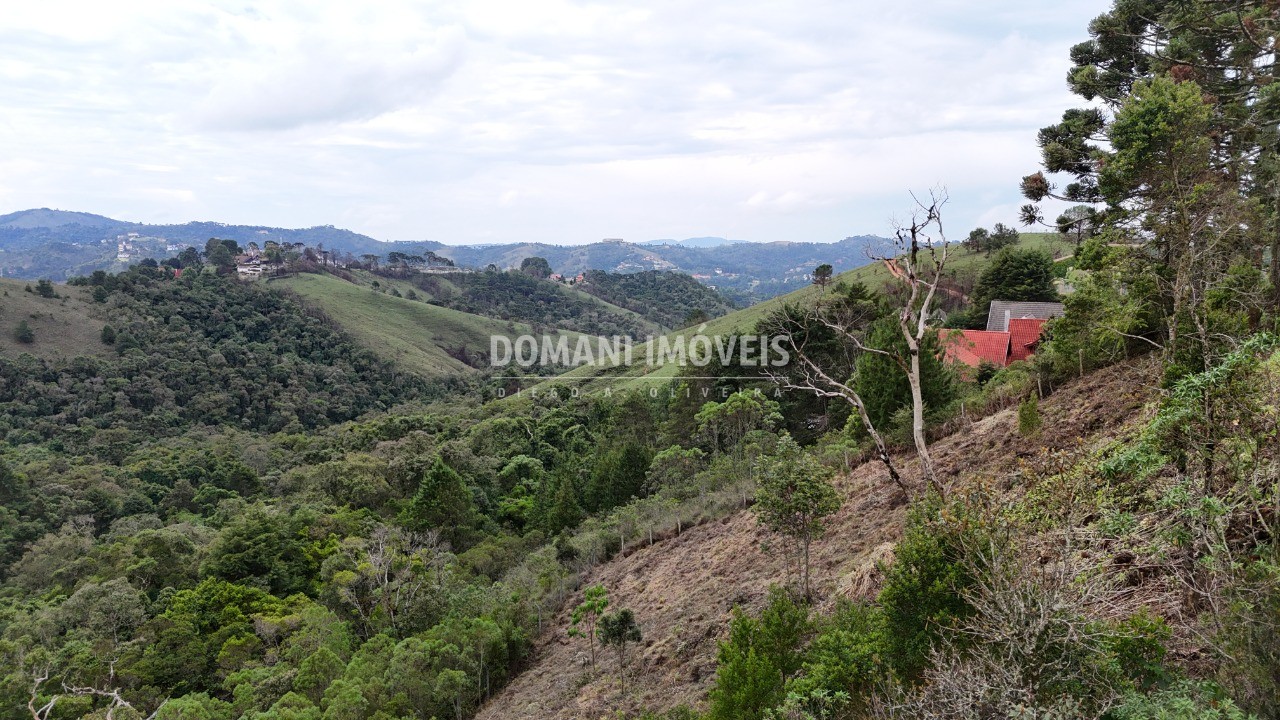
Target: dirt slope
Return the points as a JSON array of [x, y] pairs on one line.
[[683, 589]]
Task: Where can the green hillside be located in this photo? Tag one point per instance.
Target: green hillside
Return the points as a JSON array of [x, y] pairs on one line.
[[514, 296], [419, 337], [874, 276], [65, 326], [440, 325], [667, 298], [199, 350]]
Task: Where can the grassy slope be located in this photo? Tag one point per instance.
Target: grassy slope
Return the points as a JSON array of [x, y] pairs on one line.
[[64, 327], [366, 279], [874, 276], [411, 333]]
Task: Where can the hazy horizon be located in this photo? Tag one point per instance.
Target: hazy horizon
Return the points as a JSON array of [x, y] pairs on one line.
[[650, 241]]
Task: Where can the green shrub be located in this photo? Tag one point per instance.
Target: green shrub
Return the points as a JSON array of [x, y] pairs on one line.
[[1185, 701], [1137, 647], [1250, 636], [23, 333], [846, 656], [760, 655], [1029, 416], [922, 593]]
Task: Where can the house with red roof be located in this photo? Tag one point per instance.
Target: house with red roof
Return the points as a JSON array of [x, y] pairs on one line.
[[1016, 341], [1024, 336], [973, 347]]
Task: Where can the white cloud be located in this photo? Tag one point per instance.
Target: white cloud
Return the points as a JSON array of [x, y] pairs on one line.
[[285, 80], [553, 120]]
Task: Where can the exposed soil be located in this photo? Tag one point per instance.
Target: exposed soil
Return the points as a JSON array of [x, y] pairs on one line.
[[683, 589]]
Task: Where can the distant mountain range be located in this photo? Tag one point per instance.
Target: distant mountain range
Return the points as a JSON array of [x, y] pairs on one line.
[[59, 244]]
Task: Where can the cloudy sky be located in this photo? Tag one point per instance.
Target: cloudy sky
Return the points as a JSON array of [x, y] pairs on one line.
[[547, 120]]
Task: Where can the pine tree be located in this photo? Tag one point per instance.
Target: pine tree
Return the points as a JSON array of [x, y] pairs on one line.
[[443, 503], [563, 512], [1018, 275], [882, 384], [760, 655], [1029, 415], [618, 477]]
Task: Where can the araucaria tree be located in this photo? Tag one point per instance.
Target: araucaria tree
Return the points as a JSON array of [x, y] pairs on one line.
[[582, 622], [1180, 150], [822, 275], [794, 497]]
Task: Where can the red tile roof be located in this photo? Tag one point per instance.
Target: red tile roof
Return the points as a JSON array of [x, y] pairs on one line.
[[1024, 336], [971, 347]]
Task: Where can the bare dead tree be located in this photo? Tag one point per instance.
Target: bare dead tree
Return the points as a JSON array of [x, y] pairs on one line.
[[117, 702], [919, 263], [922, 250], [395, 569], [44, 711]]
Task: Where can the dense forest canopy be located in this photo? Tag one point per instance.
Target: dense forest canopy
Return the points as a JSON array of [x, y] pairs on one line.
[[515, 295], [669, 299], [201, 349]]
